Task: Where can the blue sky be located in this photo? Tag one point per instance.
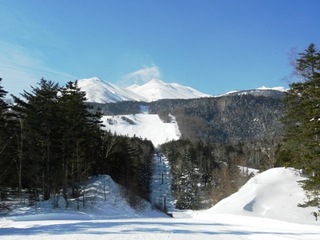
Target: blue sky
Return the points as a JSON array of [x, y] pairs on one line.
[[214, 46]]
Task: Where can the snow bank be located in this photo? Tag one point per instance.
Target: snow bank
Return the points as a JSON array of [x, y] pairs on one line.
[[103, 199], [274, 193]]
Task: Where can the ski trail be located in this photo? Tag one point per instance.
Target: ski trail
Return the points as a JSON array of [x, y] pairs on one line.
[[161, 196]]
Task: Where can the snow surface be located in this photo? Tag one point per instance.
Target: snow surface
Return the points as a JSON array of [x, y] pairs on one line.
[[146, 126], [272, 194], [272, 215]]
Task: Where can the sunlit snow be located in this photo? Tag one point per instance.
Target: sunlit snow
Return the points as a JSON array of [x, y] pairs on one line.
[[146, 126]]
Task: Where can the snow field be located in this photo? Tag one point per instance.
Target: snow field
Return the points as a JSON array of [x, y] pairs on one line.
[[146, 126]]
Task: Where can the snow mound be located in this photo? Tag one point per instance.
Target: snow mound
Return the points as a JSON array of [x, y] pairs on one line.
[[147, 126], [103, 199], [274, 193]]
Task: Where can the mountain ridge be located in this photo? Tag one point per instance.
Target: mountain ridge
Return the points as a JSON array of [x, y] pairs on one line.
[[100, 91]]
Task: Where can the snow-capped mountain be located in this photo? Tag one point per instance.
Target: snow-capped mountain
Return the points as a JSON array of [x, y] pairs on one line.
[[261, 91], [100, 91], [156, 89]]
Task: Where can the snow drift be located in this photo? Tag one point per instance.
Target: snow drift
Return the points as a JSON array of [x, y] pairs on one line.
[[274, 193]]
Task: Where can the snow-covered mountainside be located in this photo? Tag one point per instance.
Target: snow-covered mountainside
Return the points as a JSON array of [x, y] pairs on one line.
[[102, 92], [143, 125], [273, 194], [275, 92], [156, 89]]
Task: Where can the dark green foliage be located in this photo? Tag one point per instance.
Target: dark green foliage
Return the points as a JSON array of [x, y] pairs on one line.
[[128, 162], [202, 173], [300, 147]]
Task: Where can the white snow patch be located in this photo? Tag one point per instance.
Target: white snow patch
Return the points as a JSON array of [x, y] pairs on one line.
[[146, 126], [281, 89]]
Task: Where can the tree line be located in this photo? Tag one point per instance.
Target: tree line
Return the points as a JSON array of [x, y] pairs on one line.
[[51, 141]]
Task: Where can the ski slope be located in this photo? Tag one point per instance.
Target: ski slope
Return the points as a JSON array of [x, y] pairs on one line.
[[272, 215], [146, 126]]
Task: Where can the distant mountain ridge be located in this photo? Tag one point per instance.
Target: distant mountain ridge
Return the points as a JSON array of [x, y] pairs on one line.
[[100, 91], [156, 89]]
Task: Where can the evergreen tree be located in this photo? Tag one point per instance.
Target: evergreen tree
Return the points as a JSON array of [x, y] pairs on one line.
[[80, 138], [38, 113], [301, 144]]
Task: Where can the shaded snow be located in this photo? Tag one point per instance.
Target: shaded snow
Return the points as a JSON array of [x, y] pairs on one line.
[[103, 199]]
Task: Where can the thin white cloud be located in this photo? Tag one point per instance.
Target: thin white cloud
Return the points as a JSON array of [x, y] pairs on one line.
[[22, 68], [143, 75]]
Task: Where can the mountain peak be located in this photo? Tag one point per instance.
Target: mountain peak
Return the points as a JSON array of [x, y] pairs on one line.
[[100, 91], [157, 89]]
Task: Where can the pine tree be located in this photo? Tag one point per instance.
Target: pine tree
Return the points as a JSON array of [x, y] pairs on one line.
[[301, 145], [38, 112], [80, 138]]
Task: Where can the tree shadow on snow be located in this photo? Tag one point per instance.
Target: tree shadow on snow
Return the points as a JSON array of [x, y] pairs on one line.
[[105, 227]]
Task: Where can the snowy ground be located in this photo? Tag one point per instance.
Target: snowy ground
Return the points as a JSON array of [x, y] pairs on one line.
[[265, 208]]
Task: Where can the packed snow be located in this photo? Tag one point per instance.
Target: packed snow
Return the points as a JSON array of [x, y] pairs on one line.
[[265, 208], [146, 126]]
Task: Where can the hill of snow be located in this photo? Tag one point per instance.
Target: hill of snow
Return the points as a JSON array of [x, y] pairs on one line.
[[273, 194], [156, 89], [103, 199], [143, 125], [102, 92]]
